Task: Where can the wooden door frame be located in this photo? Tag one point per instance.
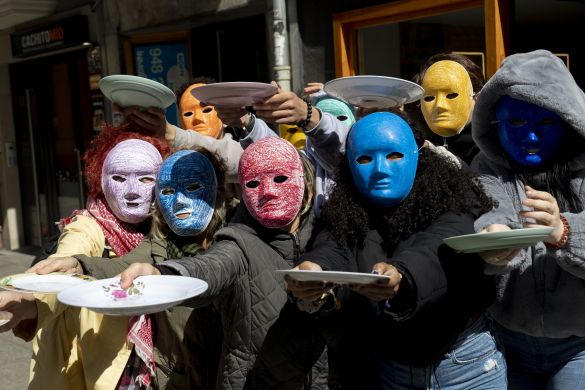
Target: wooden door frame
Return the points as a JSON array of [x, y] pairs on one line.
[[346, 24]]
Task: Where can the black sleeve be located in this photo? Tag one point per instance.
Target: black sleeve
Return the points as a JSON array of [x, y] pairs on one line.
[[327, 253], [418, 259]]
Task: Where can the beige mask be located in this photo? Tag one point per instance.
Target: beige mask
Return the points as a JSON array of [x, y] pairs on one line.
[[448, 98], [202, 119]]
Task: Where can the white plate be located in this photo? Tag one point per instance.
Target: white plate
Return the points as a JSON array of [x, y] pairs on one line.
[[127, 90], [150, 294], [234, 94], [44, 284], [333, 276], [517, 238], [374, 91]]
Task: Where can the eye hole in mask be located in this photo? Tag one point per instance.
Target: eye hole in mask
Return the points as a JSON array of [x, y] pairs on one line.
[[292, 130], [515, 122], [147, 179], [188, 113], [280, 179], [252, 184], [429, 98], [167, 191], [547, 121], [394, 156], [193, 187], [207, 110], [119, 179], [342, 118], [364, 160], [452, 95]]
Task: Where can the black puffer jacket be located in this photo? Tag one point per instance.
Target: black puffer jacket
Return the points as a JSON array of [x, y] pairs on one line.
[[440, 294]]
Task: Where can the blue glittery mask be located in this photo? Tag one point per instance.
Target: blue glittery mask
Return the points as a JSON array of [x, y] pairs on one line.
[[341, 110], [529, 134], [186, 187], [383, 156]]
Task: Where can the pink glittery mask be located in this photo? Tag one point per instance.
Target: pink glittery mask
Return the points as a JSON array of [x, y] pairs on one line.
[[271, 177], [128, 179]]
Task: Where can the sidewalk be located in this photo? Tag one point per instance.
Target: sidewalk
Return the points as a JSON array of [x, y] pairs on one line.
[[14, 353]]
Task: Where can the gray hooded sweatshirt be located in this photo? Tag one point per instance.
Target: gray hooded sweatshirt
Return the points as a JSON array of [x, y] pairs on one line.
[[541, 292]]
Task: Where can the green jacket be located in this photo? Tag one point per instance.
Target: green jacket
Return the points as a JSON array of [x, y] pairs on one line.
[[187, 341]]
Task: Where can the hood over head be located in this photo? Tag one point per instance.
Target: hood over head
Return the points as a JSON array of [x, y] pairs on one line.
[[538, 78]]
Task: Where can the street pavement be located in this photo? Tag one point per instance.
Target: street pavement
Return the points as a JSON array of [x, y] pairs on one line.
[[14, 353]]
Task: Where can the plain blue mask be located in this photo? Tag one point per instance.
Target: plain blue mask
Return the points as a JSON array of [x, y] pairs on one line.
[[529, 134], [186, 187], [341, 110], [383, 156]]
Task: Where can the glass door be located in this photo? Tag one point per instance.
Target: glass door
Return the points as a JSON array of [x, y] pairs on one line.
[[53, 125]]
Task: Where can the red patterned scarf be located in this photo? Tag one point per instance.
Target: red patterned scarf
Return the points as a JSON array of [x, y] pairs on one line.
[[121, 236]]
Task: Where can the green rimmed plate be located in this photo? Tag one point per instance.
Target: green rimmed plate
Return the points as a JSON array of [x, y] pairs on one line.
[[51, 283], [516, 238]]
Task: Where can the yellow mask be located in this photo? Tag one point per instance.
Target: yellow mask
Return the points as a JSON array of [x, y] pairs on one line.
[[448, 99], [293, 134], [203, 120]]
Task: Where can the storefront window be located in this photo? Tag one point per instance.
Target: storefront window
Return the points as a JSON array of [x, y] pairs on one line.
[[398, 49]]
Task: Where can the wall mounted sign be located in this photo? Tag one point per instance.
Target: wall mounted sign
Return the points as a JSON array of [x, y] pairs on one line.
[[58, 35], [165, 58]]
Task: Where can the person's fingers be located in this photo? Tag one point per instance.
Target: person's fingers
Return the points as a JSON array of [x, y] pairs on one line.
[[135, 270], [309, 266], [157, 112], [541, 205], [542, 217], [542, 195]]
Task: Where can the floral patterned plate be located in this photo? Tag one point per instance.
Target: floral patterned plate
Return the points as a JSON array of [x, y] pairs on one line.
[[42, 284], [149, 294]]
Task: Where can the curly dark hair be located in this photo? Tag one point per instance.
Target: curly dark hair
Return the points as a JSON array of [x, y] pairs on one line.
[[101, 145], [349, 217]]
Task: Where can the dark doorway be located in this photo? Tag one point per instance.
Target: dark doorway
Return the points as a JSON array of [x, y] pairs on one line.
[[52, 114], [234, 50]]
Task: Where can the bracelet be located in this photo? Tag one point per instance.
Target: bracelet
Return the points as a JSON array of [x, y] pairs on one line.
[[564, 237], [303, 124]]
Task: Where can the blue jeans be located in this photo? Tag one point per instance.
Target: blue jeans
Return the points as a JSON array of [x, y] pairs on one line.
[[474, 362], [541, 362]]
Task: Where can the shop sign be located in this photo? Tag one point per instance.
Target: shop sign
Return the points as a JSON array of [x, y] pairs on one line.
[[65, 33]]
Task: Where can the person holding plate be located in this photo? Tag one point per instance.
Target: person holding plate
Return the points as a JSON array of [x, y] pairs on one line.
[[120, 170], [270, 230], [422, 326], [529, 123], [189, 208]]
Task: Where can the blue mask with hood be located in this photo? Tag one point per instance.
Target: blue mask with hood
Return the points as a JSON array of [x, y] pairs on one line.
[[186, 187], [529, 134], [383, 157]]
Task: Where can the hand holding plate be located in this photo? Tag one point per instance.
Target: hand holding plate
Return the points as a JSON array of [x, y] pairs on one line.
[[135, 270], [499, 257], [307, 290], [546, 213], [63, 264], [15, 307], [233, 116], [286, 108], [383, 289]]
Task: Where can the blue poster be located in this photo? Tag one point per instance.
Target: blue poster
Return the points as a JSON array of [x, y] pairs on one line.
[[167, 63]]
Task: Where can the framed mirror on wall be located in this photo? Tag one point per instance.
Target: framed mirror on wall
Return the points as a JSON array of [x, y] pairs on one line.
[[163, 57]]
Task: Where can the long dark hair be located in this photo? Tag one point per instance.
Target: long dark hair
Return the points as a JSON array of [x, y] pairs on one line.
[[439, 186]]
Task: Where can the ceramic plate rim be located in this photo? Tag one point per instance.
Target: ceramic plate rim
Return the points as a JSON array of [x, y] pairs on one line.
[[164, 94], [10, 287], [400, 99], [213, 99], [501, 240], [202, 286], [343, 274]]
